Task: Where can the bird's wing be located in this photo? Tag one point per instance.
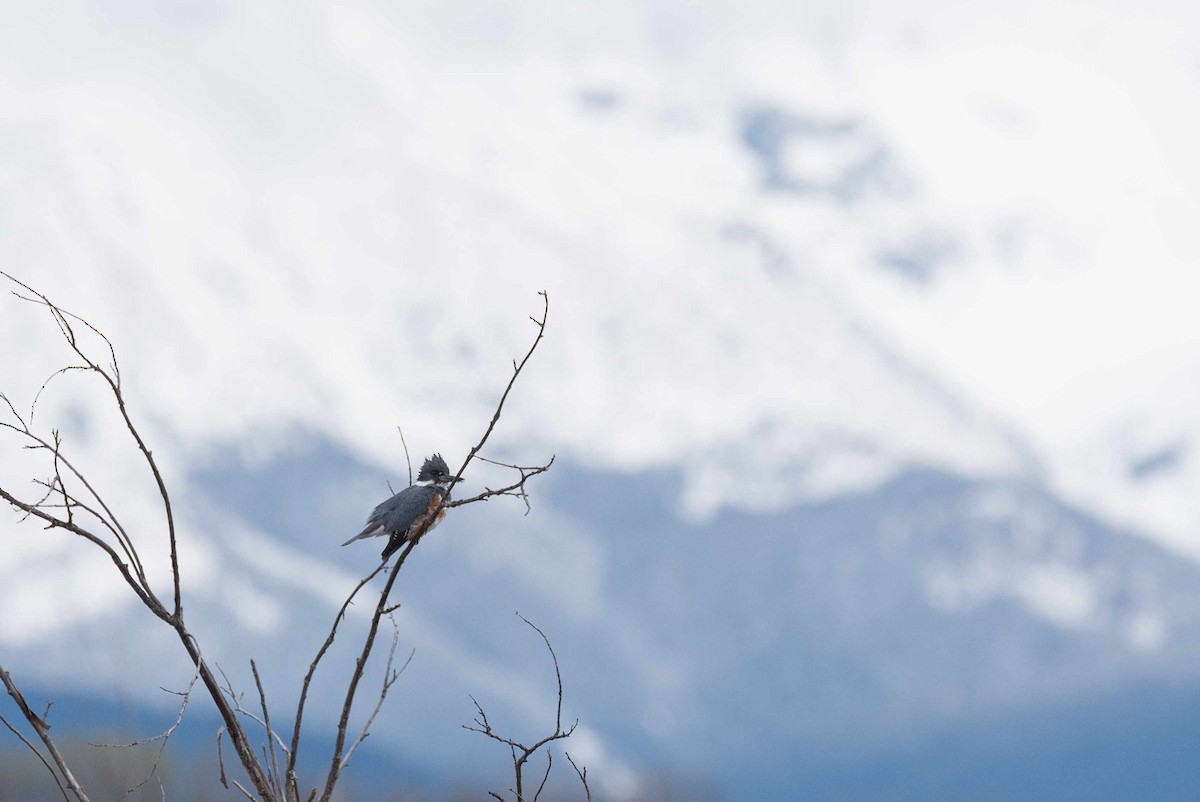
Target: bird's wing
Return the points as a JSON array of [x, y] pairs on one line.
[[375, 525], [410, 505]]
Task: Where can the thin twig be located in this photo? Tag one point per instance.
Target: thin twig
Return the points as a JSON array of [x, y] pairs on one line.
[[43, 730], [517, 368], [262, 697], [115, 527], [582, 776], [220, 759], [245, 793], [45, 384], [162, 736], [40, 757], [546, 775], [407, 459], [235, 700], [389, 679], [122, 567]]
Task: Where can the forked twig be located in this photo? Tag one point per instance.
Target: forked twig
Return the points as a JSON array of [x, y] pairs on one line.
[[517, 489], [519, 751]]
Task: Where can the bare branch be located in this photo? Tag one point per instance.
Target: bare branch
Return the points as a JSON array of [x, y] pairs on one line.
[[163, 737], [113, 379], [109, 519], [237, 733], [220, 759], [545, 776], [517, 368], [246, 793], [43, 502], [72, 501], [235, 699], [407, 459], [293, 753], [360, 665], [45, 384], [40, 757], [557, 673], [520, 752], [389, 679], [167, 733], [43, 730], [508, 464], [146, 599], [58, 476], [582, 773], [15, 414], [262, 698], [485, 728], [516, 489]]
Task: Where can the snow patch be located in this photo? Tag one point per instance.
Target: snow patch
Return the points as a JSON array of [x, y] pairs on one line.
[[1059, 594]]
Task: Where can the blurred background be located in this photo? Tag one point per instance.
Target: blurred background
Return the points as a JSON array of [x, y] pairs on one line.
[[872, 374]]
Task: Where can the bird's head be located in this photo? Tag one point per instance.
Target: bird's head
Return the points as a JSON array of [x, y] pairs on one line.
[[437, 471]]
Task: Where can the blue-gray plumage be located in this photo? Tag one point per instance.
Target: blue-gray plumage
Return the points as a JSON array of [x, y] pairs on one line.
[[414, 510]]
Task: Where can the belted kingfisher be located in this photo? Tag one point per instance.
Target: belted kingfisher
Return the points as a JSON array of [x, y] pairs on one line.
[[411, 511]]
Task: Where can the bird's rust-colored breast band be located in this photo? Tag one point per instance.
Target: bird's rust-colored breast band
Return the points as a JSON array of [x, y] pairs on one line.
[[428, 520]]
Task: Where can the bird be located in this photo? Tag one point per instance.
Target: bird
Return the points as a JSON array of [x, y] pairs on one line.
[[414, 510]]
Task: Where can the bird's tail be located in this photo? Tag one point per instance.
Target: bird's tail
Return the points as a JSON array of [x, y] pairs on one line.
[[372, 529]]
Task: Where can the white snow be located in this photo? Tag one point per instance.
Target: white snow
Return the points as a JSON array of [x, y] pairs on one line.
[[338, 220]]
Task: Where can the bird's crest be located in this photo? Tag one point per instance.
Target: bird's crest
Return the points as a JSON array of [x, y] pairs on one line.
[[434, 468]]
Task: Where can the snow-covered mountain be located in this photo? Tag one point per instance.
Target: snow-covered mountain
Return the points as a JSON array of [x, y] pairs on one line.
[[871, 367], [753, 650]]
